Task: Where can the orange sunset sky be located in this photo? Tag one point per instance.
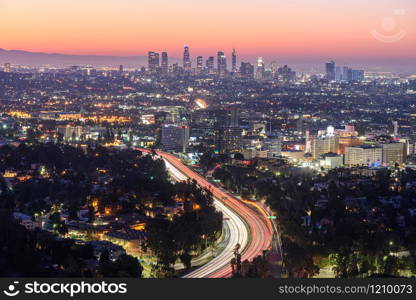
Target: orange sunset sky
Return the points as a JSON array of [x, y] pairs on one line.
[[261, 27]]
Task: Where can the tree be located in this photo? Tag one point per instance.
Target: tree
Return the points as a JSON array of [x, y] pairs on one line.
[[186, 259], [128, 266], [207, 161], [105, 257]]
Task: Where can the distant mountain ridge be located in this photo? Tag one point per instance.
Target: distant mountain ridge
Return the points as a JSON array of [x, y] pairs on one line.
[[21, 57]]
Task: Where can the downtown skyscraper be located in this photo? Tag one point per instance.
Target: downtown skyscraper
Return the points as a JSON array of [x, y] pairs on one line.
[[210, 64], [199, 64], [273, 68], [153, 61], [187, 65], [234, 61], [260, 69], [247, 70], [221, 63], [165, 62], [330, 70]]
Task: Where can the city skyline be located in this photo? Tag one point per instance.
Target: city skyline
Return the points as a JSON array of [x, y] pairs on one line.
[[182, 139], [290, 30], [308, 65]]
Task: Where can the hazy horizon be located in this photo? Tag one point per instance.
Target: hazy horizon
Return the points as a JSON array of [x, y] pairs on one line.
[[301, 28], [301, 64]]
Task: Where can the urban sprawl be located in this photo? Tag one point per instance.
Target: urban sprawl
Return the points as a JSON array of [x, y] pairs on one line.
[[212, 167]]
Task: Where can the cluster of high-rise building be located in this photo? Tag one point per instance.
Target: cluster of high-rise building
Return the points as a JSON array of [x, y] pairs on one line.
[[154, 63], [261, 119], [218, 65], [257, 71], [222, 130], [342, 73]]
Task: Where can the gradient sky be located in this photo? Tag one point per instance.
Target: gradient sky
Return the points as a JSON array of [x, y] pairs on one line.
[[291, 28]]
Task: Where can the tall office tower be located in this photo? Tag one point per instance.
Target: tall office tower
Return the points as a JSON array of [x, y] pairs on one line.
[[165, 62], [343, 74], [286, 74], [7, 68], [273, 68], [351, 75], [199, 64], [175, 68], [338, 73], [273, 145], [346, 73], [121, 68], [357, 75], [186, 59], [233, 117], [393, 128], [247, 70], [175, 137], [393, 153], [324, 144], [308, 146], [299, 126], [234, 61], [153, 59], [330, 70], [228, 138], [210, 64], [260, 68], [221, 63]]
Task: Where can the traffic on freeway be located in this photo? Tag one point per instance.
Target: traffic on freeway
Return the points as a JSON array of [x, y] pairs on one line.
[[253, 231], [235, 232]]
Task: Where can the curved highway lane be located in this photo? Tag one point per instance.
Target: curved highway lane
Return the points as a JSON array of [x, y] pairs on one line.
[[253, 231], [235, 232]]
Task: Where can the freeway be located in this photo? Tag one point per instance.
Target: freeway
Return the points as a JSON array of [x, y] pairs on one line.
[[252, 230], [230, 236]]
